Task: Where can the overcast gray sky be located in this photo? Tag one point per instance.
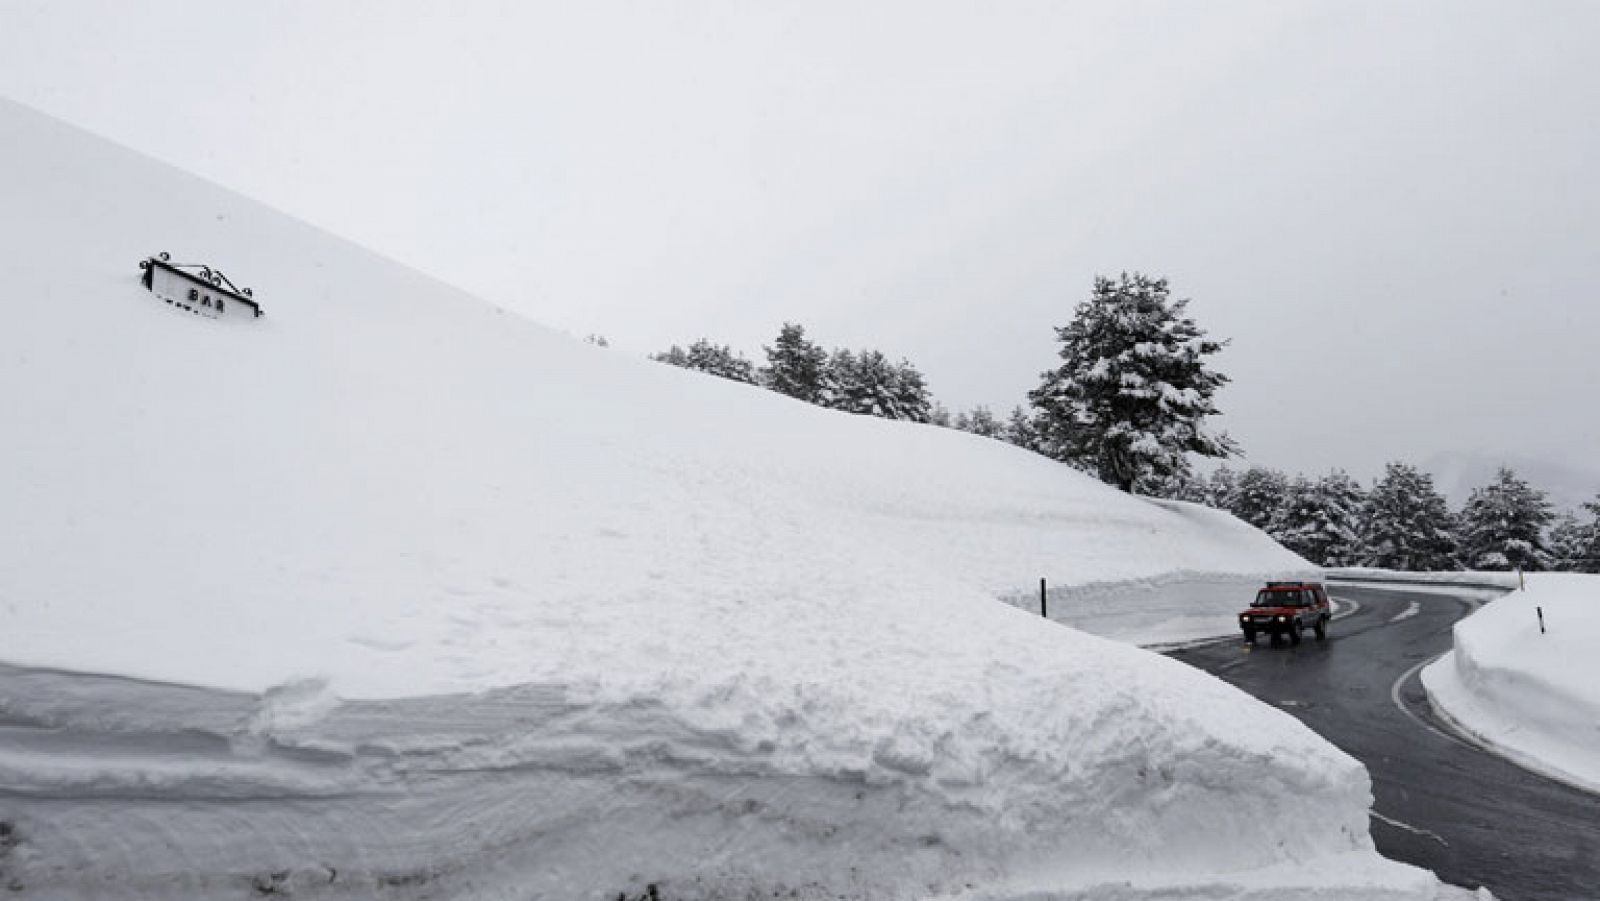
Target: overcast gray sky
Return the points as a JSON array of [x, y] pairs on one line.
[[1391, 209]]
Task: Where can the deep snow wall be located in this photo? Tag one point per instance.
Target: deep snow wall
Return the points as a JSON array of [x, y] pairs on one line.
[[395, 486], [1532, 694], [393, 592]]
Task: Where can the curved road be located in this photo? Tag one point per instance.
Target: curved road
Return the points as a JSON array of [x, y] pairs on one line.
[[1440, 803]]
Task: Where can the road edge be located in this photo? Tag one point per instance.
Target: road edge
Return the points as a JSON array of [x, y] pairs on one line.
[[1439, 720], [1510, 755]]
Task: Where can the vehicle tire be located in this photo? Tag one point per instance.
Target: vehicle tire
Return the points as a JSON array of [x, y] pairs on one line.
[[1321, 628], [1294, 632], [1250, 636]]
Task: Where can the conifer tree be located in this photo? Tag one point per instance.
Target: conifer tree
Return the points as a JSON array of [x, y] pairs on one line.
[[1568, 540], [718, 360], [1588, 557], [673, 356], [912, 400], [1503, 523], [867, 383], [1133, 390], [1406, 524], [1295, 507], [1575, 540], [1185, 487], [1258, 495], [1221, 487], [796, 366], [840, 380], [1020, 430], [980, 422], [1319, 519]]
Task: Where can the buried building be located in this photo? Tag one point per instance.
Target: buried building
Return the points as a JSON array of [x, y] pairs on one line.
[[196, 289]]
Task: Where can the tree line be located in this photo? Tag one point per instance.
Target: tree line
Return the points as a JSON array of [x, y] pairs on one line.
[[1128, 403], [856, 381], [1403, 522]]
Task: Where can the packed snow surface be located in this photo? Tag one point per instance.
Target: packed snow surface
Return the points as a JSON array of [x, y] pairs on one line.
[[1533, 695], [392, 593]]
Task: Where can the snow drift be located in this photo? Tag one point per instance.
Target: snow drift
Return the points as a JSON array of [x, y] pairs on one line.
[[391, 592], [1533, 696]]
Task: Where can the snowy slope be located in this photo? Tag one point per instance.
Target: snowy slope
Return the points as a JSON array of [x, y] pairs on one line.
[[406, 490], [403, 595], [1534, 696]]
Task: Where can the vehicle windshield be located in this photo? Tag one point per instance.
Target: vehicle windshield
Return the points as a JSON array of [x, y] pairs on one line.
[[1295, 598]]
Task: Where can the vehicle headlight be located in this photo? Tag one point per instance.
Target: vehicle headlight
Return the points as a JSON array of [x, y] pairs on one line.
[[1283, 619]]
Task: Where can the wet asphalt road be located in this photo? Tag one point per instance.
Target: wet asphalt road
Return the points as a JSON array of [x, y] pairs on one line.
[[1471, 817]]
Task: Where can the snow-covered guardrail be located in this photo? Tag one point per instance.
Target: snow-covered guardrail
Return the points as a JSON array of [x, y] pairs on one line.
[[1502, 581]]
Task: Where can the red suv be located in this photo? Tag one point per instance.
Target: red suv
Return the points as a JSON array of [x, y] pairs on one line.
[[1287, 608]]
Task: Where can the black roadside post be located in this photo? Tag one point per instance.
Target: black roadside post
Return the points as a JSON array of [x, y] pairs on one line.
[[1043, 610], [1540, 611]]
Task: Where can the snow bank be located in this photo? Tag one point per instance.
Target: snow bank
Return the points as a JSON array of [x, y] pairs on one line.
[[1533, 696], [398, 594], [1169, 608], [1087, 761], [1476, 586], [1501, 581]]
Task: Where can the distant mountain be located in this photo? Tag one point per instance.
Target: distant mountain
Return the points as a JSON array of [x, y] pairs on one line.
[[1457, 473]]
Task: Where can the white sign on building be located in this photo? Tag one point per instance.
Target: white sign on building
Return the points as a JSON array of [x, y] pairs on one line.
[[199, 290]]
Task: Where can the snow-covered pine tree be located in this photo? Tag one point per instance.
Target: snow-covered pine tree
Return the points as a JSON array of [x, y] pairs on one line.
[[912, 399], [1133, 390], [1588, 560], [1406, 524], [863, 383], [1258, 495], [1502, 525], [796, 366], [1296, 506], [939, 415], [1575, 541], [1319, 519], [1020, 430], [867, 383], [1567, 540], [1344, 501], [718, 360], [1184, 487], [839, 378], [721, 361], [673, 356], [1220, 488], [980, 422]]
